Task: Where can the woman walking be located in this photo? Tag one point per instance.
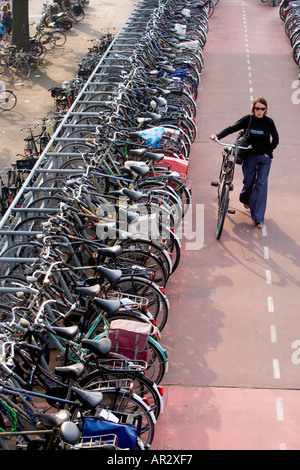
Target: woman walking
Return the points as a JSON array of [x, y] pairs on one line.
[[256, 167]]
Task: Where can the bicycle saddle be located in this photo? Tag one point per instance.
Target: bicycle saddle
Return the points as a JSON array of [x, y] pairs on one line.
[[137, 152], [73, 371], [110, 251], [112, 275], [100, 347], [53, 420], [154, 116], [88, 291], [168, 68], [88, 399], [66, 332], [108, 306], [155, 157]]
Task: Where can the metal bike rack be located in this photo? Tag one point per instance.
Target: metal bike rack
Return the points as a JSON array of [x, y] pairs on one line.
[[47, 164]]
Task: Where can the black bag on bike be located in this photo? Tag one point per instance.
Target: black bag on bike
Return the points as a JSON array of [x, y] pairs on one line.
[[243, 140], [77, 9]]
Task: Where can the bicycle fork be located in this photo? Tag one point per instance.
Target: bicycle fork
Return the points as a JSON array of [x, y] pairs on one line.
[[218, 185]]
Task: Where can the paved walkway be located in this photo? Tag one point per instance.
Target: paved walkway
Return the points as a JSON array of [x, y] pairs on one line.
[[233, 332]]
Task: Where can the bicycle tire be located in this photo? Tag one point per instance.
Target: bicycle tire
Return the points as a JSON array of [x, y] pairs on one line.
[[22, 69], [37, 49], [158, 304], [60, 38], [101, 182], [156, 248], [8, 99], [6, 314], [76, 147], [177, 185], [222, 208], [30, 224], [145, 259], [55, 185], [10, 298], [142, 386], [47, 40], [19, 250], [48, 202], [157, 364]]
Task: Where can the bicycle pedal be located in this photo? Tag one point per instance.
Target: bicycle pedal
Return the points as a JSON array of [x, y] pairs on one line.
[[231, 187], [231, 211], [214, 183]]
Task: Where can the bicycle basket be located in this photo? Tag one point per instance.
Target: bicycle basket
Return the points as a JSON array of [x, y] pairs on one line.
[[130, 301], [77, 9], [55, 92], [25, 164], [130, 338], [127, 429], [106, 441]]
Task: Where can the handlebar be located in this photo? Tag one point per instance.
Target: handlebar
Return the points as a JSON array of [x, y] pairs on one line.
[[232, 145]]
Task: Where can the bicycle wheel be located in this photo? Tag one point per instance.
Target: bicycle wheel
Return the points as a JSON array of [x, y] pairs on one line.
[[60, 37], [47, 40], [144, 259], [155, 248], [19, 250], [6, 314], [8, 295], [2, 69], [158, 304], [8, 99], [30, 224], [48, 202], [32, 61], [222, 208], [22, 68], [141, 386], [37, 49]]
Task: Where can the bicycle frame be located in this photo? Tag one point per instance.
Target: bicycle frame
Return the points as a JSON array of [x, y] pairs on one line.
[[225, 183]]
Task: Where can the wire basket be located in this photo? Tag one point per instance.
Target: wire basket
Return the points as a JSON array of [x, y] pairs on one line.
[[130, 302], [130, 365], [107, 441]]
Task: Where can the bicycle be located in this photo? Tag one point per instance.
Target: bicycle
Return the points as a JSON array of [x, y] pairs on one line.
[[15, 177], [36, 144], [225, 183], [10, 58], [8, 100]]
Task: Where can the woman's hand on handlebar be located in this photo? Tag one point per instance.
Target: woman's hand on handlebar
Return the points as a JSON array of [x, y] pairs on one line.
[[213, 137]]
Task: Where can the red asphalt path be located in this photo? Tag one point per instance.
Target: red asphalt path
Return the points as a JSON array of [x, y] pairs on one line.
[[233, 333]]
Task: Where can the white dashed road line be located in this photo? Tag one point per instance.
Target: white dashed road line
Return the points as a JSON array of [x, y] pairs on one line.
[[266, 252]]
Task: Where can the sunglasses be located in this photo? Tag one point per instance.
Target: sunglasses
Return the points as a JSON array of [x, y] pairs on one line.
[[260, 109]]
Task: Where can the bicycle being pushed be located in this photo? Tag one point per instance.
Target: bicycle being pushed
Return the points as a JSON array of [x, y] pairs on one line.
[[225, 183]]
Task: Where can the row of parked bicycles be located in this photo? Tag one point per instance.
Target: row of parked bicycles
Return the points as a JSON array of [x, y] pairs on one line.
[[87, 255], [289, 12]]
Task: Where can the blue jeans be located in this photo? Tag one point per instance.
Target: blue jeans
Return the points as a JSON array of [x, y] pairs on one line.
[[256, 169]]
